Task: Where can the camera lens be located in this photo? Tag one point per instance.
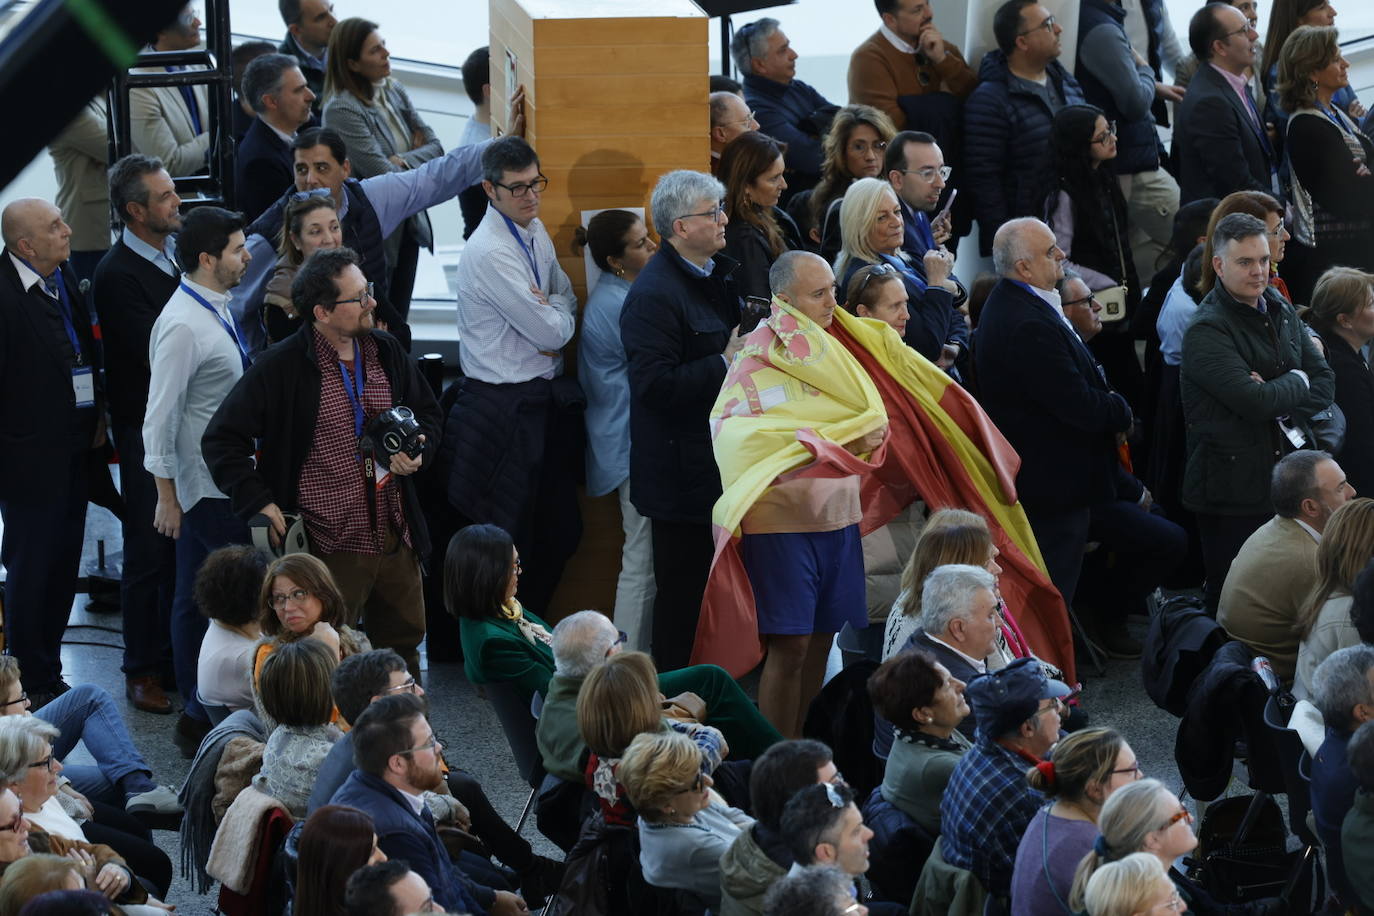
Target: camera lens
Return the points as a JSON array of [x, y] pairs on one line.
[[392, 443]]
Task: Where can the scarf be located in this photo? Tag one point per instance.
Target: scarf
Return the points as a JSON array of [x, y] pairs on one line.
[[534, 634]]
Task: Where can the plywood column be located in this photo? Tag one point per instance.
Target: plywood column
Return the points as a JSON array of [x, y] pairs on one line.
[[615, 97]]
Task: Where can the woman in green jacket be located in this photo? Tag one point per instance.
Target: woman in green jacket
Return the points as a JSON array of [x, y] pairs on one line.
[[501, 640]]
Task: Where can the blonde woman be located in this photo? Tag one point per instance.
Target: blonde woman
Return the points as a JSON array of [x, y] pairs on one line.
[[1134, 886], [1324, 625]]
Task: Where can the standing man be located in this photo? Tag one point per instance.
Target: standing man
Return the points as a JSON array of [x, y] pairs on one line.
[[309, 24], [263, 168], [196, 354], [307, 402], [173, 122], [786, 109], [1251, 380], [1220, 144], [1054, 407], [1007, 119], [52, 408], [679, 328], [131, 285], [516, 313]]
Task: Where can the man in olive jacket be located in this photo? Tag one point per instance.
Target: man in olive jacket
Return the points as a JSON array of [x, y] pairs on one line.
[[1252, 379]]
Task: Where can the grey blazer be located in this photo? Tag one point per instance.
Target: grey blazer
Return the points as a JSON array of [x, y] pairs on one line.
[[160, 125], [370, 145]]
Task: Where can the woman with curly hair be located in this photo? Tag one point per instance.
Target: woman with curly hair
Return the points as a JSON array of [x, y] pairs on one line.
[[853, 148]]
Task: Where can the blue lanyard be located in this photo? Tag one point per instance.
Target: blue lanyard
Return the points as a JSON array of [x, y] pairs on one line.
[[66, 309], [1331, 116], [510, 224], [228, 328], [353, 387]]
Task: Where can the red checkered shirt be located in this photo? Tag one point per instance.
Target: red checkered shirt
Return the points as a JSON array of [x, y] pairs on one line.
[[332, 491]]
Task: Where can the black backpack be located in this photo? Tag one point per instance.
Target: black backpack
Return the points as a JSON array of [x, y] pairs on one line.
[[1178, 647]]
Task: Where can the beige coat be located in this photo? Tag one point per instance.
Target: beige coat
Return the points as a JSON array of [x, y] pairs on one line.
[[83, 194], [1268, 586], [160, 125]]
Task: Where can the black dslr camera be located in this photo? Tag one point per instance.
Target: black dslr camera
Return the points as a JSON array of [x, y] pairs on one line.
[[392, 431]]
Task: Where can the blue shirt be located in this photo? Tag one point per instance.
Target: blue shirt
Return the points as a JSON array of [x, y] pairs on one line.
[[603, 370], [165, 259], [1174, 318], [984, 813]]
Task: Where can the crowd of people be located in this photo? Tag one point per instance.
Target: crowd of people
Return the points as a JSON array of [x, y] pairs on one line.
[[815, 423]]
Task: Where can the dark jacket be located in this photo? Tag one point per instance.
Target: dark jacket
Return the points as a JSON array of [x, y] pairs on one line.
[[1217, 147], [1137, 144], [788, 113], [958, 667], [1041, 386], [1355, 397], [37, 402], [1006, 142], [749, 246], [1233, 437], [402, 834], [262, 169], [128, 292], [277, 402], [934, 319], [674, 326], [314, 75]]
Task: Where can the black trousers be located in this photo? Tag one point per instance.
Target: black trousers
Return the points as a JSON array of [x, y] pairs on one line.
[[682, 561], [402, 281], [1062, 535], [511, 849], [1222, 538], [126, 835], [150, 564]]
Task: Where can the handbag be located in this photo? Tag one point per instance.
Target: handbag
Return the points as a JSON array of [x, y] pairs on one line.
[[1329, 427], [1113, 298]]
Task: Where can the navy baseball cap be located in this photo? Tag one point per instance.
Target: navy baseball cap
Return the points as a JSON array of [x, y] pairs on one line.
[[1003, 699]]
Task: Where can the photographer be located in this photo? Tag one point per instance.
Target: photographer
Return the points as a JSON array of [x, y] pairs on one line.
[[309, 401]]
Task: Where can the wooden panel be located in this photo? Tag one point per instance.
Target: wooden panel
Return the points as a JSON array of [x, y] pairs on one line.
[[667, 60], [609, 90], [628, 120], [583, 32], [589, 579], [557, 151]]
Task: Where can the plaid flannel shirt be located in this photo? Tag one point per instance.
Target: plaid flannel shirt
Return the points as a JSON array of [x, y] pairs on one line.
[[985, 810]]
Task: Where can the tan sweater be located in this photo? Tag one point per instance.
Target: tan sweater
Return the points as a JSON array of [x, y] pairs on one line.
[[1267, 587], [879, 74]]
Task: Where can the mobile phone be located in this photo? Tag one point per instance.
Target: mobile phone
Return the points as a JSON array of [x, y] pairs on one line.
[[756, 309], [953, 193]]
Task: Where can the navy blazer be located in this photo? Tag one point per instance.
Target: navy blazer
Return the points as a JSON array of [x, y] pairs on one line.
[[1041, 386], [1216, 145], [262, 170]]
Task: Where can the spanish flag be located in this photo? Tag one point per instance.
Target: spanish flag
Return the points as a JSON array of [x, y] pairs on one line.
[[793, 396]]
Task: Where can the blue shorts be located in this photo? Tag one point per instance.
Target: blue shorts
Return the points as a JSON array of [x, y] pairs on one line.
[[810, 582]]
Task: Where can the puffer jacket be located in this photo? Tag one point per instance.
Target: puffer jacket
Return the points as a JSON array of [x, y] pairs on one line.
[[1234, 439], [746, 874], [1006, 141]]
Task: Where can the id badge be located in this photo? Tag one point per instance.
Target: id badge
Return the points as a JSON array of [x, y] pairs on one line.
[[83, 386], [1294, 434]]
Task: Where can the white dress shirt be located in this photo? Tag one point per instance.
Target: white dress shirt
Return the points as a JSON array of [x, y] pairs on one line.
[[195, 362]]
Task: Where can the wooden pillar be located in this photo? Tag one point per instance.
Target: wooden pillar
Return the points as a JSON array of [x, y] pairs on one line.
[[615, 96]]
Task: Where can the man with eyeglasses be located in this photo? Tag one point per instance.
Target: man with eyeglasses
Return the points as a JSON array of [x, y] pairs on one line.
[[730, 117], [514, 415], [1254, 76], [987, 803], [915, 167], [787, 109], [304, 405], [172, 122], [196, 354], [1007, 119], [679, 329], [398, 758], [363, 679], [901, 68], [1221, 141], [1117, 79]]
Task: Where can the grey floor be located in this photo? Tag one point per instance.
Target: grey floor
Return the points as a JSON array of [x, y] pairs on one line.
[[469, 730]]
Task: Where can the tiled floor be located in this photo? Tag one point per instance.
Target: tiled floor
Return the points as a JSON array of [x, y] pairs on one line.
[[469, 729]]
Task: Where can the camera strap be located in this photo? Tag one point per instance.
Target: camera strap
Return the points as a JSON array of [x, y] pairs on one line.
[[353, 385]]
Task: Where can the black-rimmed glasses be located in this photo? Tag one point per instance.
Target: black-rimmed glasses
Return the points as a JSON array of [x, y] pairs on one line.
[[295, 596], [1047, 25], [928, 173], [45, 763], [520, 190], [714, 214], [23, 698], [1087, 300], [1104, 137], [365, 297]]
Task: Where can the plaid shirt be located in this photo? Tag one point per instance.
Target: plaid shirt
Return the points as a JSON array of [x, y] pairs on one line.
[[985, 810], [332, 489]]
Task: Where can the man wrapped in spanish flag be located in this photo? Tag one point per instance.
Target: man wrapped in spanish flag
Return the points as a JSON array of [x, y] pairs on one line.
[[826, 427]]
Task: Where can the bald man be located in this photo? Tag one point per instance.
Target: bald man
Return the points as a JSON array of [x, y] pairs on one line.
[[730, 117], [51, 409]]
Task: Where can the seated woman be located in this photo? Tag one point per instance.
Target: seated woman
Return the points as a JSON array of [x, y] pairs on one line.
[[310, 224], [299, 599], [1326, 624], [34, 875], [618, 701], [870, 220], [103, 870], [926, 703], [335, 842], [853, 148], [1084, 206], [1343, 314], [758, 230], [1131, 886], [293, 692], [662, 775], [121, 778], [501, 640], [1145, 816], [1083, 771], [876, 291], [226, 591]]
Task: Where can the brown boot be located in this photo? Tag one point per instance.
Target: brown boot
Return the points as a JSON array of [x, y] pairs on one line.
[[146, 694]]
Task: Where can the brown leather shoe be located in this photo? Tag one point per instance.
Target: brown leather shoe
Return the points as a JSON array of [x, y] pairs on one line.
[[146, 694]]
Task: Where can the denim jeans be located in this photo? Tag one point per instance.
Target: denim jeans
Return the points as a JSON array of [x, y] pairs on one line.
[[87, 713], [205, 527]]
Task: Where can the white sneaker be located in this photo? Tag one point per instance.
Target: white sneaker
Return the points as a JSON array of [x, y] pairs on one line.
[[161, 800]]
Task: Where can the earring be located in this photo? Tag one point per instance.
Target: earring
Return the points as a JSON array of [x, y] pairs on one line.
[[620, 271]]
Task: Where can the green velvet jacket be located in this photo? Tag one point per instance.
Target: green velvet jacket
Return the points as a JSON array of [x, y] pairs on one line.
[[495, 650]]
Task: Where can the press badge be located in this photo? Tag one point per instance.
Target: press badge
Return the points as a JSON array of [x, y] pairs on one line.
[[83, 386]]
